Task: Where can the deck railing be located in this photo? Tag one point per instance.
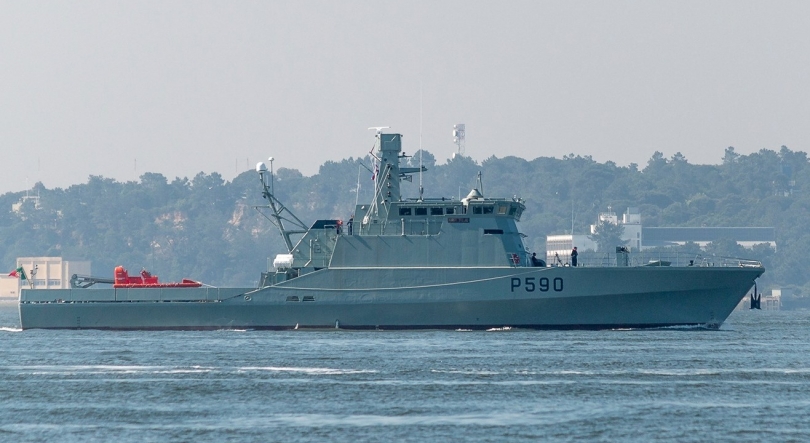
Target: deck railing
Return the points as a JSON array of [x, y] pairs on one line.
[[610, 259]]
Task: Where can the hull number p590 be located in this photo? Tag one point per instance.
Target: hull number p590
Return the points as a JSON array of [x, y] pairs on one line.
[[542, 284]]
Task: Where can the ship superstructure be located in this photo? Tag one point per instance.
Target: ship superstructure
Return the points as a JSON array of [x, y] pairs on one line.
[[408, 233]]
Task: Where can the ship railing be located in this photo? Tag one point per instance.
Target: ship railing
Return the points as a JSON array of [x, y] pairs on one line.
[[642, 258]]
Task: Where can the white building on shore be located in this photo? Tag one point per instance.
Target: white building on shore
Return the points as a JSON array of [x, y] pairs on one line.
[[42, 273], [637, 238]]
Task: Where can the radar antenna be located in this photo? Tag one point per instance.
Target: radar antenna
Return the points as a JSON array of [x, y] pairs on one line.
[[379, 129]]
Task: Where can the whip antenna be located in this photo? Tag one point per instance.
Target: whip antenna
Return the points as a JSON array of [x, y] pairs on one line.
[[421, 189]]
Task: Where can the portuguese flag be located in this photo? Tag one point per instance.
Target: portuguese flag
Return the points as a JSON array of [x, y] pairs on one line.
[[19, 272]]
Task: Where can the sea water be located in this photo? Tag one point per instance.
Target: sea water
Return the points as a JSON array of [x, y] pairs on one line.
[[748, 381]]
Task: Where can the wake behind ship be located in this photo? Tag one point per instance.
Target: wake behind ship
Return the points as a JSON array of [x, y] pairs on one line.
[[423, 263]]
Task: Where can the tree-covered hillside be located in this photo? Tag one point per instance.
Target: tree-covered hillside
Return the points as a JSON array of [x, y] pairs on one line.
[[207, 229]]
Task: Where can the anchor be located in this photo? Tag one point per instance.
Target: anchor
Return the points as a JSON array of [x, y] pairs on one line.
[[755, 298]]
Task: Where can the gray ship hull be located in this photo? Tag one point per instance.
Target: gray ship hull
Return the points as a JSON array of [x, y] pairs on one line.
[[414, 298]]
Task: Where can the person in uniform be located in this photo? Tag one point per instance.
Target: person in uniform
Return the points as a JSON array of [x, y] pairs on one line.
[[536, 262], [574, 254]]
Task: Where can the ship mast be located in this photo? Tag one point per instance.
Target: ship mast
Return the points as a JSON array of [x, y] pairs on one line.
[[278, 209], [388, 176]]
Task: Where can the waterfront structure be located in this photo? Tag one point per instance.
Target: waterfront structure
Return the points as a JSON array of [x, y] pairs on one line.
[[42, 273], [637, 237]]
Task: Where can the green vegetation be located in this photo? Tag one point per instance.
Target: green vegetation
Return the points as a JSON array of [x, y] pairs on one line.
[[206, 228], [607, 236]]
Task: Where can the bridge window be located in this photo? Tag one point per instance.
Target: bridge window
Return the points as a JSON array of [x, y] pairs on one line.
[[421, 211], [502, 210], [512, 210], [436, 211], [476, 209], [404, 211], [488, 209], [450, 210]]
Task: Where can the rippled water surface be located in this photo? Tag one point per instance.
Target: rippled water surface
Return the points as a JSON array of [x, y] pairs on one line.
[[749, 381]]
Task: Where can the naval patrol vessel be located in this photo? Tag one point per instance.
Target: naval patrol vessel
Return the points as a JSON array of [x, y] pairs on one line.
[[423, 263]]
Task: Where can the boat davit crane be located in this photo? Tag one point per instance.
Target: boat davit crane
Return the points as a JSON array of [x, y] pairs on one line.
[[277, 208]]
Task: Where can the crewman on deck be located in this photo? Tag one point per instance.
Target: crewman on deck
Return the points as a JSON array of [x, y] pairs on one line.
[[536, 262]]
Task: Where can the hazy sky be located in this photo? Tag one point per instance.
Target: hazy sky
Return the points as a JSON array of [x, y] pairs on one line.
[[177, 87]]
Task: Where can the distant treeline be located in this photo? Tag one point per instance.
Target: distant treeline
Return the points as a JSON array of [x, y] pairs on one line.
[[207, 229]]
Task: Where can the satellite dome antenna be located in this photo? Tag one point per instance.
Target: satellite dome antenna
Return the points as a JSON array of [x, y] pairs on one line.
[[458, 138]]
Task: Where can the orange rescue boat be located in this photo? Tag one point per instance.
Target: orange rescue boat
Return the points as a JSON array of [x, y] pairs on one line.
[[146, 280]]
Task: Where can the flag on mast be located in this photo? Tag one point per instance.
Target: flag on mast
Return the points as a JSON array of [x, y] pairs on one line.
[[19, 272]]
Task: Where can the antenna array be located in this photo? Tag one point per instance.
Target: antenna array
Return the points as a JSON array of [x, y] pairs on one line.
[[458, 138]]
